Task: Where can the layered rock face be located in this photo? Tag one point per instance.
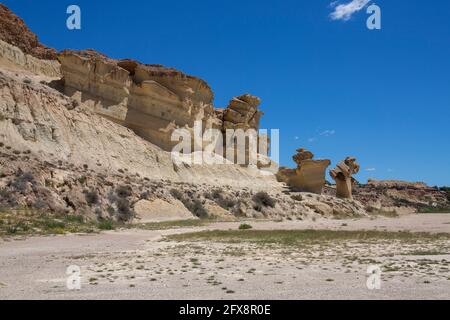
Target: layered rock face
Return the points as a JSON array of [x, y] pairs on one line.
[[401, 196], [20, 48], [242, 116], [149, 99], [13, 58], [38, 119], [152, 100], [342, 174], [14, 31], [309, 176], [242, 113]]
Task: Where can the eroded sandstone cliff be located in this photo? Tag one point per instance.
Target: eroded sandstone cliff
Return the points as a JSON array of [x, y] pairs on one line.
[[152, 100], [15, 32]]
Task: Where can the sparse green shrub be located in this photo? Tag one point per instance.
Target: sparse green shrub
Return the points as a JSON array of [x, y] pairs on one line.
[[91, 197], [217, 196], [98, 213], [176, 194], [39, 204], [7, 198], [74, 218], [124, 210], [106, 225], [297, 197], [123, 191], [22, 180], [245, 226], [82, 179], [263, 199], [145, 195], [49, 223], [111, 211], [196, 207]]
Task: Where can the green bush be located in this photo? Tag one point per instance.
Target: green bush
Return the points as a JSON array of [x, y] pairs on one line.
[[110, 210], [123, 191], [124, 210], [82, 179], [176, 194], [263, 199], [196, 207], [224, 202], [91, 197], [106, 225], [22, 180], [245, 226]]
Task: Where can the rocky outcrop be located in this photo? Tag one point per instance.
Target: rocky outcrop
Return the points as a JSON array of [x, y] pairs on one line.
[[309, 176], [401, 196], [342, 174], [161, 210], [53, 127], [13, 58], [151, 100], [242, 113], [15, 32]]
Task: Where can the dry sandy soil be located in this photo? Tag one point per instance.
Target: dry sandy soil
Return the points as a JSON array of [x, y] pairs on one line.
[[144, 264]]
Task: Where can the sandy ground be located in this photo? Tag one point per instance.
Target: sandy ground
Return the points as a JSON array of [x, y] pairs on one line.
[[136, 264]]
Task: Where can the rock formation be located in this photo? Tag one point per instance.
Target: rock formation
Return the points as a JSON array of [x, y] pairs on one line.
[[309, 176], [87, 144], [14, 31], [393, 196], [152, 100], [242, 113], [342, 174]]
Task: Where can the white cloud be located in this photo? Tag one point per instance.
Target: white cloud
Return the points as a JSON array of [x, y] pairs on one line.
[[312, 140], [371, 169], [328, 133], [296, 137], [345, 11]]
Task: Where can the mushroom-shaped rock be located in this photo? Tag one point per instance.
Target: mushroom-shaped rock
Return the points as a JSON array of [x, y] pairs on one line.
[[309, 176], [342, 174]]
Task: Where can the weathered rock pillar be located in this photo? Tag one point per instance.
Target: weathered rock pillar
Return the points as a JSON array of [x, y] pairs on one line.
[[342, 174]]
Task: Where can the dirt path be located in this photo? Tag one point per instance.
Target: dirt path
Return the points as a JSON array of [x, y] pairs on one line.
[[135, 264]]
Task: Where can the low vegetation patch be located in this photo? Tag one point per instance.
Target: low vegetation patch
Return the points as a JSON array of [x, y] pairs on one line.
[[432, 209], [27, 222], [299, 237], [245, 226], [106, 225], [171, 224], [263, 199]]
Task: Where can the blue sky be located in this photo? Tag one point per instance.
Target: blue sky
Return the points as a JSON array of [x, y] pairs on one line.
[[332, 86]]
